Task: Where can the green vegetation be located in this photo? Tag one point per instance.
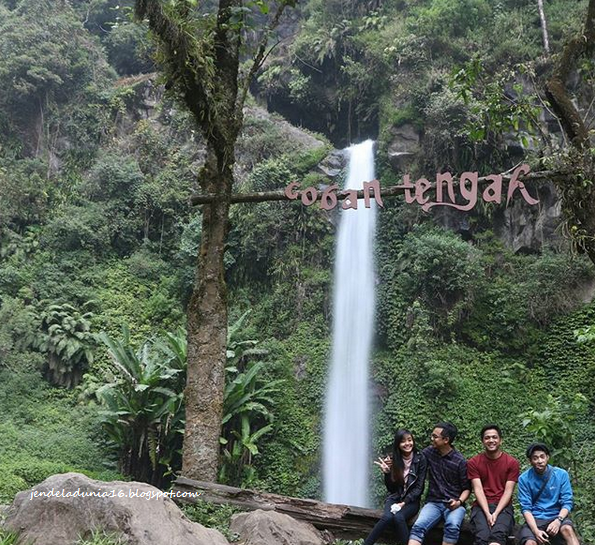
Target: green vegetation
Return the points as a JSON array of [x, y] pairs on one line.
[[143, 407], [100, 537], [98, 247], [212, 516], [45, 431], [8, 538]]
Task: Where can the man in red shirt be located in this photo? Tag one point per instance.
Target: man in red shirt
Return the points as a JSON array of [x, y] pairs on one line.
[[493, 475]]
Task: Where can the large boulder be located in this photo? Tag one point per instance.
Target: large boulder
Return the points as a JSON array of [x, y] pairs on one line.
[[65, 507], [333, 164], [271, 528]]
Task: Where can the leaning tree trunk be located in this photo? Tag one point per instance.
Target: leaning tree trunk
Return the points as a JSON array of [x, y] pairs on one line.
[[578, 190]]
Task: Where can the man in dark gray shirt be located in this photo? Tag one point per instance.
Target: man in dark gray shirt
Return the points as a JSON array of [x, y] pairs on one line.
[[448, 490]]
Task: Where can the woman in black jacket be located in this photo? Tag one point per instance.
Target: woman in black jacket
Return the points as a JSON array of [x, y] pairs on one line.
[[404, 476]]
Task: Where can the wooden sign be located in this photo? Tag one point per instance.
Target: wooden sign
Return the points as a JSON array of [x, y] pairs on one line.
[[462, 195]]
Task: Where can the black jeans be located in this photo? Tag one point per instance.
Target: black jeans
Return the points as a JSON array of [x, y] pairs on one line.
[[398, 519], [498, 533]]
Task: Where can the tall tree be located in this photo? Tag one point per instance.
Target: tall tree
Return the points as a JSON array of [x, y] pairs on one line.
[[578, 188], [200, 57]]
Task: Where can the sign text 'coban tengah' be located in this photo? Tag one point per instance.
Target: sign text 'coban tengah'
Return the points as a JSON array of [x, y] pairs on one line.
[[461, 196]]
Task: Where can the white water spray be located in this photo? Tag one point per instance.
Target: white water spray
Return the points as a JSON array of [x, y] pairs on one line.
[[347, 422]]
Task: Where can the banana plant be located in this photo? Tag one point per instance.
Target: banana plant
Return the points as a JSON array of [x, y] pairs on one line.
[[144, 405], [246, 419], [143, 413]]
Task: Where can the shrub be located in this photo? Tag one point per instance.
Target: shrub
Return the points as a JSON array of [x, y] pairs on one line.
[[436, 268]]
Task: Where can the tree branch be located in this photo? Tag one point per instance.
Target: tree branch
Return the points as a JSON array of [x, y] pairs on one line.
[[279, 195], [181, 52], [556, 90], [260, 55]]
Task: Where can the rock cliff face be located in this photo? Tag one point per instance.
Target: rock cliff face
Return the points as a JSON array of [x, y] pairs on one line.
[[404, 147], [150, 106], [527, 228], [524, 228]]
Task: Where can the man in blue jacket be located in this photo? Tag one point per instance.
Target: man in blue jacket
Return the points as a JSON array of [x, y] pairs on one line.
[[545, 496]]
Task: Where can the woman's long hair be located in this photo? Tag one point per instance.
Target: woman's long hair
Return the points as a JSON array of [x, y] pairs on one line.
[[398, 465]]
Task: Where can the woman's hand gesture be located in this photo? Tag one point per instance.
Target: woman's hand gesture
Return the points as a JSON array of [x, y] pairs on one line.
[[384, 463]]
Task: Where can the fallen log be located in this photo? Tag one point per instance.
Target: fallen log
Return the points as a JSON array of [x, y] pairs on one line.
[[343, 521]]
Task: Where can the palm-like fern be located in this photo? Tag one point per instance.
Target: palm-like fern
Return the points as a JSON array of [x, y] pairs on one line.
[[246, 418], [67, 341], [246, 407]]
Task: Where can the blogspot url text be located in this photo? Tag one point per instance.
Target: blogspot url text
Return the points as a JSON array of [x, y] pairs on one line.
[[130, 493]]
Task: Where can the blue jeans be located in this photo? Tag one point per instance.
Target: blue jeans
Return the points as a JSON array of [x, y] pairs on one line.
[[431, 514]]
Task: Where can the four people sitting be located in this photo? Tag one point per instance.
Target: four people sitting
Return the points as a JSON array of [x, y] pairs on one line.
[[544, 491]]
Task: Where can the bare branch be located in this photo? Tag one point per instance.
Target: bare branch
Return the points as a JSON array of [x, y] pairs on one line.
[[586, 116], [311, 66]]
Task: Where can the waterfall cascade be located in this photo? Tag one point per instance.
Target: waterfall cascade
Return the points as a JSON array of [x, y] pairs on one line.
[[347, 422]]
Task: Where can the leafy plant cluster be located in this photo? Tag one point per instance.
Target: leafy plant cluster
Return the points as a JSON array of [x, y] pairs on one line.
[[477, 292], [46, 431], [212, 516], [142, 405], [560, 422], [367, 61]]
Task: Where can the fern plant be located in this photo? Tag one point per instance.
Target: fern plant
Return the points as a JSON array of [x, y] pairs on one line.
[[67, 341]]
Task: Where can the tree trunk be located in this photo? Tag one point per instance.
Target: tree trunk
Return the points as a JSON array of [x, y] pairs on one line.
[[577, 190], [210, 91], [207, 326]]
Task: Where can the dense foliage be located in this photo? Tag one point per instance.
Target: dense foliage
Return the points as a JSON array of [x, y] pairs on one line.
[[97, 237]]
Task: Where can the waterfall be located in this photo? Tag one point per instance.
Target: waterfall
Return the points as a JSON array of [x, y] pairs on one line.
[[347, 422]]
